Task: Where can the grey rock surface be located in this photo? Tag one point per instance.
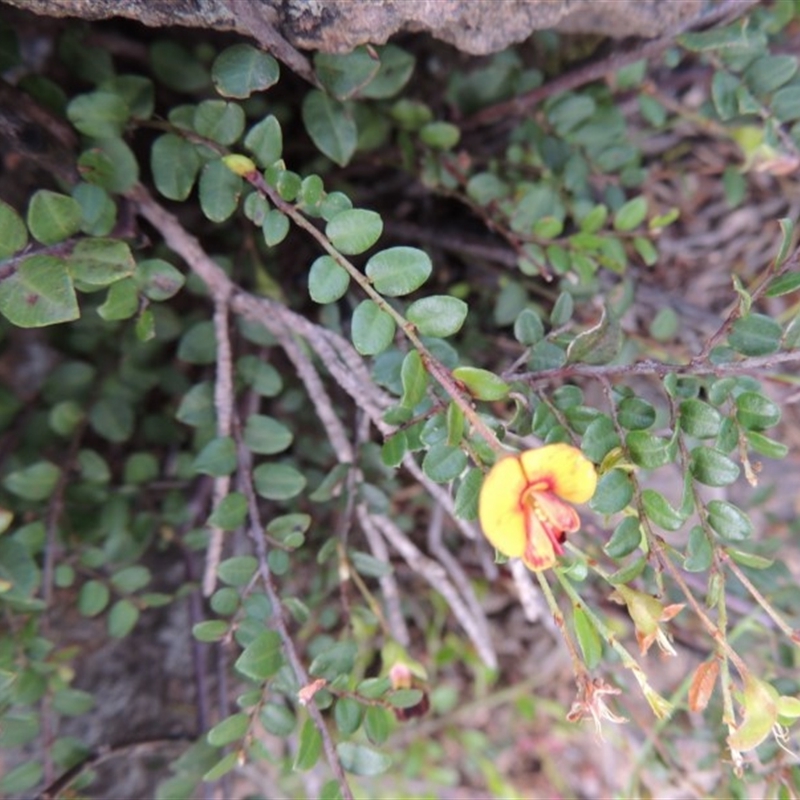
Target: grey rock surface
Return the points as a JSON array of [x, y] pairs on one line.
[[473, 26]]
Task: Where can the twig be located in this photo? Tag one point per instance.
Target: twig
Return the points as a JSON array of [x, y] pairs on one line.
[[255, 530], [435, 575], [454, 568], [223, 404], [394, 614], [659, 368], [793, 635], [529, 599]]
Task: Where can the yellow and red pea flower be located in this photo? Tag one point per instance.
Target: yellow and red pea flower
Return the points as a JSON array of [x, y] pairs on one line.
[[524, 502]]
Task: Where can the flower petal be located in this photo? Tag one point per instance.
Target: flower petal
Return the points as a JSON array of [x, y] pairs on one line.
[[562, 469], [554, 512], [539, 552], [500, 508]]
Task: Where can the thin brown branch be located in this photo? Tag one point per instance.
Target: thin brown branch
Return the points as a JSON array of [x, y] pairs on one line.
[[255, 530], [660, 369]]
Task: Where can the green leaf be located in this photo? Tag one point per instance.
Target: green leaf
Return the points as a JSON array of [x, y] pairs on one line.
[[398, 270], [230, 729], [438, 315], [755, 335], [765, 446], [659, 511], [21, 778], [614, 492], [122, 301], [199, 344], [309, 746], [112, 419], [327, 281], [729, 521], [197, 406], [528, 327], [278, 481], [348, 714], [137, 92], [785, 104], [354, 230], [131, 579], [626, 538], [242, 69], [631, 214], [751, 560], [785, 284], [38, 293], [35, 482], [335, 660], [598, 344], [482, 384], [222, 767], [210, 630], [599, 438], [768, 73], [97, 208], [699, 419], [699, 553], [713, 468], [177, 68], [158, 280], [262, 658], [277, 719], [72, 702], [649, 451], [53, 217], [372, 329], [174, 163], [723, 93], [266, 435], [230, 512], [376, 724], [219, 121], [217, 458], [396, 67], [369, 566], [330, 126], [755, 412], [344, 75], [362, 760], [394, 449], [100, 114], [13, 233], [562, 310], [265, 141], [467, 494], [122, 618], [414, 378], [110, 164], [443, 463], [275, 227], [93, 598], [238, 570], [262, 378], [587, 636], [440, 135], [99, 262], [219, 191]]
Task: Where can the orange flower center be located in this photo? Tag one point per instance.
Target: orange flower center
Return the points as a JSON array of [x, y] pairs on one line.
[[548, 519]]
